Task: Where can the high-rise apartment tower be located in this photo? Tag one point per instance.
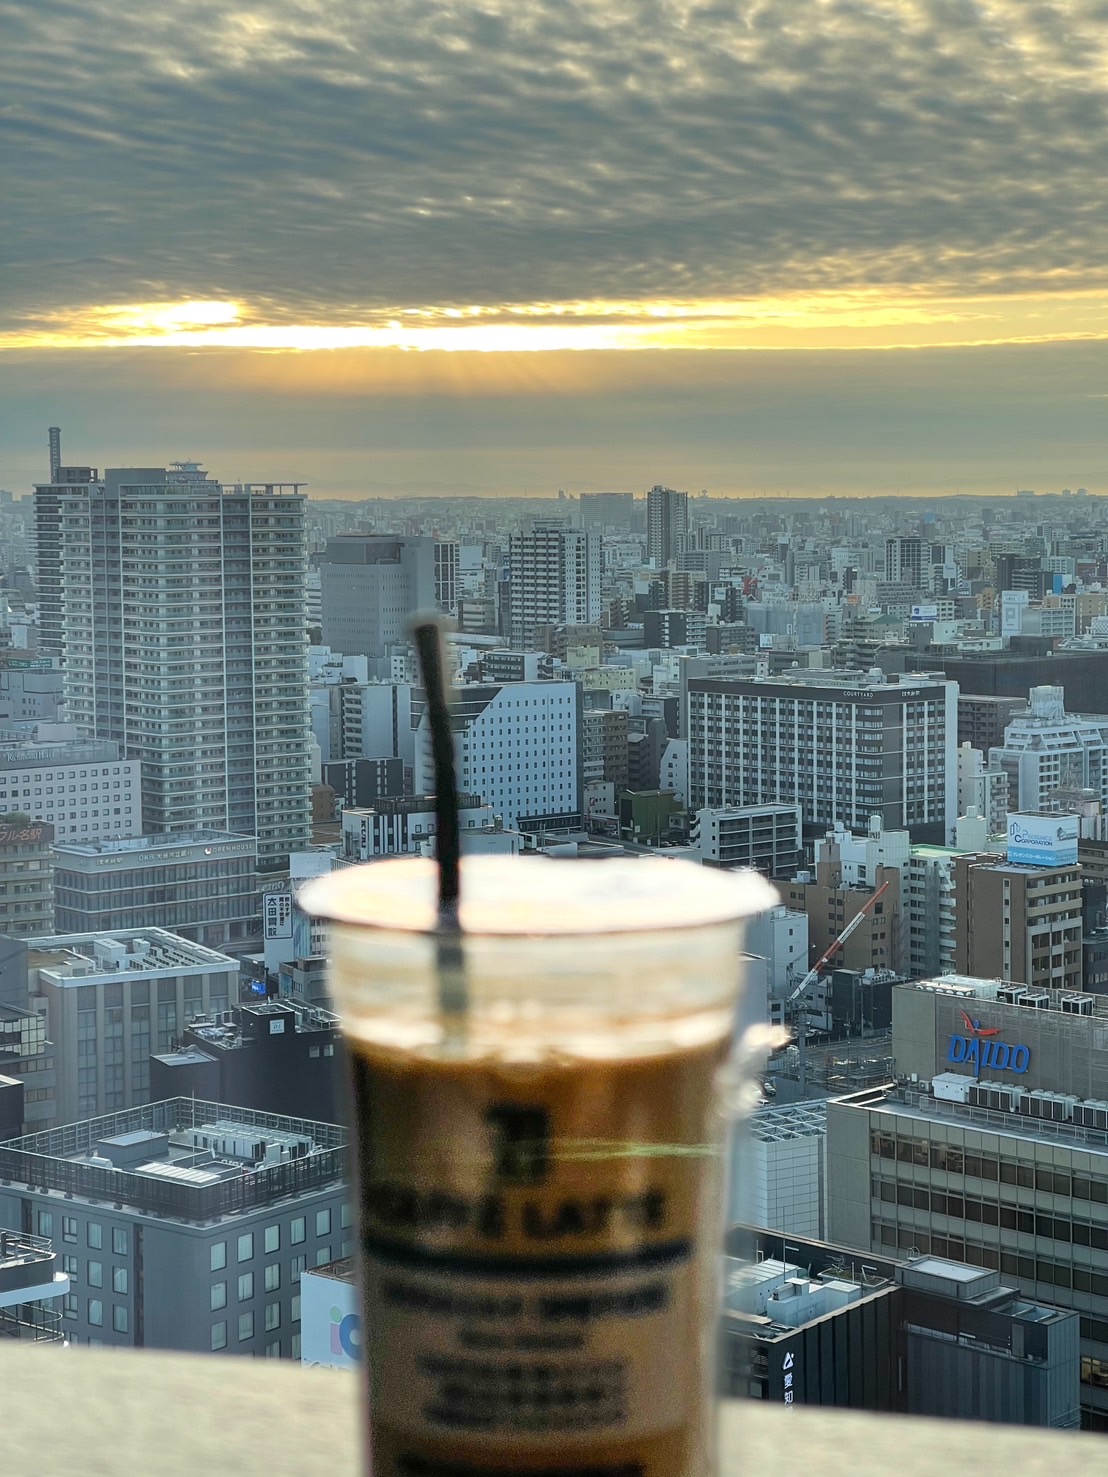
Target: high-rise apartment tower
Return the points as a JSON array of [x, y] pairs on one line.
[[182, 625]]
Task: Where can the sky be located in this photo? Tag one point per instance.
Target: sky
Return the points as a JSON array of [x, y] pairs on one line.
[[769, 245]]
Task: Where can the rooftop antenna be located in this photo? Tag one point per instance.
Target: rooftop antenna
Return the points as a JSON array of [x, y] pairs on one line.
[[453, 992], [55, 434]]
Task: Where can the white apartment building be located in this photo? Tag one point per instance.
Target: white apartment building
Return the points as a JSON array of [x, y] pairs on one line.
[[555, 579], [406, 826], [842, 745], [764, 837], [1048, 749], [984, 787], [182, 623], [518, 747], [80, 787]]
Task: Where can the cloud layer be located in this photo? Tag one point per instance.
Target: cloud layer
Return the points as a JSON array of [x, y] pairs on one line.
[[323, 159]]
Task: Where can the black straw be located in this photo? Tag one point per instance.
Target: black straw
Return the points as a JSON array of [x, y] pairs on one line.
[[427, 634], [450, 959]]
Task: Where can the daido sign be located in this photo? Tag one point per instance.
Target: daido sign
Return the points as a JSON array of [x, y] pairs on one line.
[[978, 1047]]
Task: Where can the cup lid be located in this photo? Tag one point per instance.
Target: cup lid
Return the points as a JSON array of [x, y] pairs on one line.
[[540, 895]]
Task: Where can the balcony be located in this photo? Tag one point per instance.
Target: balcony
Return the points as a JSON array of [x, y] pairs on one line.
[[181, 1416]]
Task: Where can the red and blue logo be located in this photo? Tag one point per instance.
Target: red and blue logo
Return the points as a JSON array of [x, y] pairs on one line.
[[979, 1047]]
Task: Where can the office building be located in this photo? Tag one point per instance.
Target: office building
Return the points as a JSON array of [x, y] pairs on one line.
[[904, 561], [994, 1151], [31, 691], [779, 1180], [364, 781], [554, 579], [518, 746], [668, 628], [370, 584], [81, 787], [184, 1224], [49, 578], [28, 1061], [764, 837], [607, 510], [273, 1056], [406, 826], [446, 575], [929, 906], [109, 1001], [26, 875], [982, 720], [667, 525], [807, 1323], [604, 734], [1018, 922], [183, 605], [34, 1290], [831, 901], [842, 746], [201, 885]]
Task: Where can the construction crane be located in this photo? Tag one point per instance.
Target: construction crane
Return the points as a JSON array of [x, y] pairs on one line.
[[792, 1002]]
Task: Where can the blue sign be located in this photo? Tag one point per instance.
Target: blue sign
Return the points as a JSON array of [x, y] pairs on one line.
[[980, 1048]]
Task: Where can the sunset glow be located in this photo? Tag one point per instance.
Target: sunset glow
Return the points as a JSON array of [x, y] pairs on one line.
[[863, 319]]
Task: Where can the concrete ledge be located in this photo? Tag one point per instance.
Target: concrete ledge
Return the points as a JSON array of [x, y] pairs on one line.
[[99, 1413]]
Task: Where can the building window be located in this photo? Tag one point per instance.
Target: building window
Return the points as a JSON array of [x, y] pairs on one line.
[[246, 1246], [323, 1256], [120, 1241], [344, 1215], [119, 1279], [218, 1256], [69, 1305], [294, 1313], [45, 1223], [69, 1266], [273, 1277], [218, 1295], [273, 1238], [296, 1346], [298, 1230], [95, 1312], [246, 1287], [273, 1350], [69, 1228], [246, 1326], [323, 1222], [96, 1274], [219, 1335], [299, 1265], [272, 1316], [95, 1235], [119, 1318]]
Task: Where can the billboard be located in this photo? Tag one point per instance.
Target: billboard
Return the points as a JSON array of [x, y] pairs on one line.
[[925, 612], [330, 1321], [1042, 840], [278, 915]]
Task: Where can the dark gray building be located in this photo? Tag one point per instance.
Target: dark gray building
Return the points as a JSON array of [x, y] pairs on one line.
[[807, 1323], [200, 884], [184, 1224]]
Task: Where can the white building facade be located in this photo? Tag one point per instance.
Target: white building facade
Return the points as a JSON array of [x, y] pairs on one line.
[[518, 747], [82, 788]]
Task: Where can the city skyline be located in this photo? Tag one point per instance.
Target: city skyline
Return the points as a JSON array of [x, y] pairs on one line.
[[846, 250]]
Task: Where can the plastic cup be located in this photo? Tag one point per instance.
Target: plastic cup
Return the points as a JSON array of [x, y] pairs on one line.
[[540, 1148]]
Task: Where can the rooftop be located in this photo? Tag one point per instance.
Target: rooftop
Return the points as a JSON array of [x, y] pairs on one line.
[[79, 958], [927, 1109], [182, 1158], [139, 845], [772, 1125]]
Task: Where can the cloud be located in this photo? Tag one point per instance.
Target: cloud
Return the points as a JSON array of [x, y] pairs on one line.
[[322, 161]]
